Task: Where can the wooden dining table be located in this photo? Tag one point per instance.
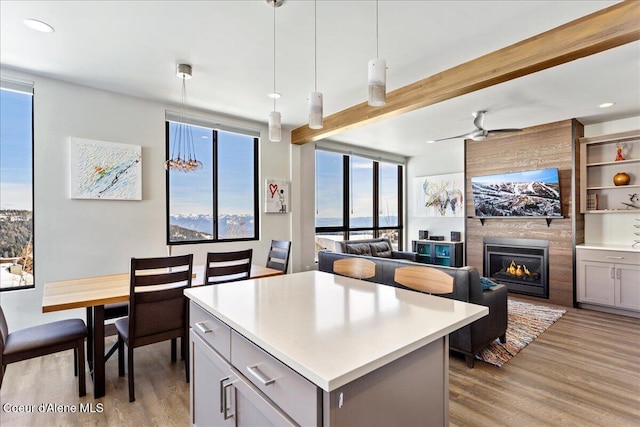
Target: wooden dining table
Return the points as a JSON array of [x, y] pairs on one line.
[[93, 293]]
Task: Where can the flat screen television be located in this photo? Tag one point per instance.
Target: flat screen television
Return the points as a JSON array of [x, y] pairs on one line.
[[534, 193]]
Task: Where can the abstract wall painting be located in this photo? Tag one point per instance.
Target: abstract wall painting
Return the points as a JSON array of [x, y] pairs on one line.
[[277, 196], [439, 196], [105, 170]]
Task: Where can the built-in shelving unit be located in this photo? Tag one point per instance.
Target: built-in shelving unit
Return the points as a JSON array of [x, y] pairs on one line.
[[598, 167]]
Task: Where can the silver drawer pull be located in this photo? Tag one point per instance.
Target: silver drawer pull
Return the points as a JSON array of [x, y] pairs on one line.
[[228, 403], [614, 257], [202, 327], [253, 370]]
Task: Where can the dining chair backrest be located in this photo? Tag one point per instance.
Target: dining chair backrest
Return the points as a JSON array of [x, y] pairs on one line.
[[278, 257], [424, 279], [225, 267], [358, 268], [157, 305]]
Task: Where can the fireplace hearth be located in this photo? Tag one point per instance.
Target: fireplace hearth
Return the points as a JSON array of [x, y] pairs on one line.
[[520, 264]]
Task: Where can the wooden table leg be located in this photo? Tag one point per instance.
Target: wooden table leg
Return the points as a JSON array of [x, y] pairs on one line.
[[98, 352], [90, 339]]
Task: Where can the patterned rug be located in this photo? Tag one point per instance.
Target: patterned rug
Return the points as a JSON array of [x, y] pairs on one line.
[[526, 322]]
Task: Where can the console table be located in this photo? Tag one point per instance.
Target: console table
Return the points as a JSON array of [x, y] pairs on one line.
[[446, 253]]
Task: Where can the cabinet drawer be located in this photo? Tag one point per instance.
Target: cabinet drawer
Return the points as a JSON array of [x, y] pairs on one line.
[[617, 257], [210, 329], [294, 394]]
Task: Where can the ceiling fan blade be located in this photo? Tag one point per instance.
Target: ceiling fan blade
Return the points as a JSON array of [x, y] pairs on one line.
[[465, 135], [478, 120], [500, 131]]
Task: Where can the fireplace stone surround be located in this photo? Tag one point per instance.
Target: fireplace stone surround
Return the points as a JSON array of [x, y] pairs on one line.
[[520, 264]]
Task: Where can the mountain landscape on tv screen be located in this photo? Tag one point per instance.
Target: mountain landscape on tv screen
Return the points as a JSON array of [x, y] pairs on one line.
[[516, 199]]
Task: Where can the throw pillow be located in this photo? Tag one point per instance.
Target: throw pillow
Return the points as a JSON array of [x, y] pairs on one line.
[[358, 249], [487, 283], [380, 249]]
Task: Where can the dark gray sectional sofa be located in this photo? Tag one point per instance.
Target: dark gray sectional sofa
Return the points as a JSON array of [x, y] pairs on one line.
[[467, 287]]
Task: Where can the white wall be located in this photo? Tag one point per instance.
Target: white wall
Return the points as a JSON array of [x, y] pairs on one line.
[[438, 159], [79, 238], [613, 228]]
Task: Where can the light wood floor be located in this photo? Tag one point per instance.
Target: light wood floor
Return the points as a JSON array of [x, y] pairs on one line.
[[583, 371]]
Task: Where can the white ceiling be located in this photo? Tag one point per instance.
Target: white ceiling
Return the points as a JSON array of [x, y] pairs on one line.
[[133, 47]]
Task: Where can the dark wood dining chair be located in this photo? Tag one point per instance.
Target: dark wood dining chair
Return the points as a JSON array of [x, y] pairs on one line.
[[111, 313], [158, 309], [225, 267], [44, 339], [358, 268], [278, 257], [424, 279]]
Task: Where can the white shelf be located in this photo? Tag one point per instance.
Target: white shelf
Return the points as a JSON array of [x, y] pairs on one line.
[[613, 187], [605, 211], [619, 162], [598, 167]]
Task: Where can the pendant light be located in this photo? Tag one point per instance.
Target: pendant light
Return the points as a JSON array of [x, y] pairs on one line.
[[377, 75], [183, 153], [315, 97], [275, 126]]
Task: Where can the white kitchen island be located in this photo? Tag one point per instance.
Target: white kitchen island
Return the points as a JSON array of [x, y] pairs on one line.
[[318, 349]]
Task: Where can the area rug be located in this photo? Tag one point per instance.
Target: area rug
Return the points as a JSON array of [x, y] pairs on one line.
[[526, 322]]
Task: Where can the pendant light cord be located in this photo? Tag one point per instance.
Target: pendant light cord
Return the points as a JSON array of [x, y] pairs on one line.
[[274, 55], [377, 54], [315, 45]]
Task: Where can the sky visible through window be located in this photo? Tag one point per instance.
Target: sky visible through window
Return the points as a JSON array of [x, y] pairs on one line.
[[15, 151], [329, 192], [192, 192]]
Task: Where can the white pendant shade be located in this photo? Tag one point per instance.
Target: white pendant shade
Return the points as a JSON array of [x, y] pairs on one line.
[[275, 129], [377, 82], [315, 110]]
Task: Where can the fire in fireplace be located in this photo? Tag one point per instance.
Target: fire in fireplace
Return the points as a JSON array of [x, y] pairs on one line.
[[520, 264]]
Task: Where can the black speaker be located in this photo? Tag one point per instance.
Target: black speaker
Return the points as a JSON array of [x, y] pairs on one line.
[[455, 236], [423, 234]]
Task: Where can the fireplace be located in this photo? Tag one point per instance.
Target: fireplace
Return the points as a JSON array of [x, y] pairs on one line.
[[520, 264]]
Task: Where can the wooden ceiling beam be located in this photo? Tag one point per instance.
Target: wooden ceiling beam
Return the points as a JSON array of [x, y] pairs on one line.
[[605, 29]]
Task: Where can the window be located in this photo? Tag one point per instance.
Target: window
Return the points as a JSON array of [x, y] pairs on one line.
[[357, 198], [220, 201], [16, 186]]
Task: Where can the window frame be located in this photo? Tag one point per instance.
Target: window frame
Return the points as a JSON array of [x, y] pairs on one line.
[[346, 229], [215, 202], [27, 89]]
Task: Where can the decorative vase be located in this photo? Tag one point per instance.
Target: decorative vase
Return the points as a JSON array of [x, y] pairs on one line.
[[621, 178]]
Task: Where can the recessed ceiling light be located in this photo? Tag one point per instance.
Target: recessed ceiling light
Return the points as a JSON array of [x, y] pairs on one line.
[[607, 104], [430, 141], [34, 24], [275, 95]]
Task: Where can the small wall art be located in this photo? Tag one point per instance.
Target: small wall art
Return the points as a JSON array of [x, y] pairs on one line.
[[105, 170], [439, 195], [277, 196]]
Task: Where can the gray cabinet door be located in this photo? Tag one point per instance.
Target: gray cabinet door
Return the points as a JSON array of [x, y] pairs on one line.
[[209, 374], [253, 409]]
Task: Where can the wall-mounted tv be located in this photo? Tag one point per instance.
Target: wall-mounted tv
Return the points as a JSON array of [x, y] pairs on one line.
[[528, 193]]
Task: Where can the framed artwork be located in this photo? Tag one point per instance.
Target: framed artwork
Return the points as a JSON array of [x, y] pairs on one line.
[[105, 170], [277, 196], [439, 196]]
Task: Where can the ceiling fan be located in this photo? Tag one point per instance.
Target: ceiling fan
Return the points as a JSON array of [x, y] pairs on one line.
[[479, 133]]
